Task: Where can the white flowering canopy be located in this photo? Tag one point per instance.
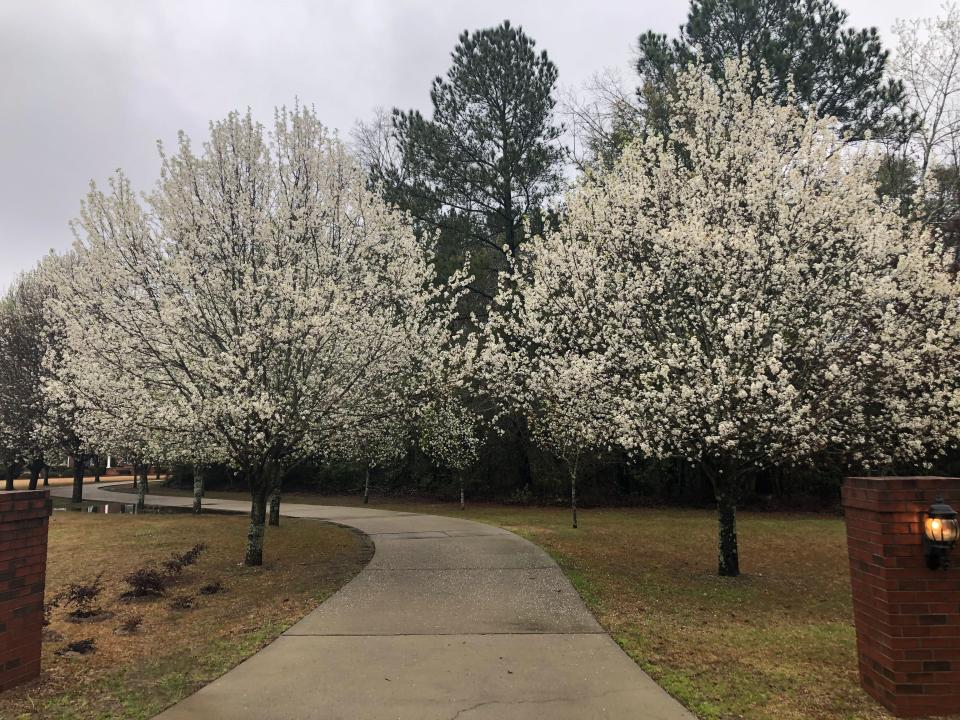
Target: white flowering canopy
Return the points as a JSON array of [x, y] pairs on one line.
[[735, 294], [259, 305]]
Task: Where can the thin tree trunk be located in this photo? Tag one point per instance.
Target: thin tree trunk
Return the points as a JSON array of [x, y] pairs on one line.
[[462, 505], [157, 478], [729, 558], [258, 509], [46, 475], [197, 490], [11, 474], [96, 468], [140, 477], [275, 506], [36, 465], [366, 486], [77, 479], [145, 477], [573, 492]]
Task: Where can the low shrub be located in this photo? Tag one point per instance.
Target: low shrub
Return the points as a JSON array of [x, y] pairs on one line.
[[212, 588], [81, 597], [81, 647], [145, 582], [182, 602]]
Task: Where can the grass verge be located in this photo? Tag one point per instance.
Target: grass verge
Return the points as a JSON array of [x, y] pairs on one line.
[[174, 652]]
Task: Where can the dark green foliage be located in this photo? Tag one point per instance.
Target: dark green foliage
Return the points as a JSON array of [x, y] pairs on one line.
[[487, 159], [836, 70]]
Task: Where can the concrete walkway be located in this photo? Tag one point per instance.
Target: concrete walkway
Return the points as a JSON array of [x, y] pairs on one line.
[[450, 619]]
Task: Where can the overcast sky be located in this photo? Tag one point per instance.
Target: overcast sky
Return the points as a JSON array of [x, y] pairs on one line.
[[89, 86]]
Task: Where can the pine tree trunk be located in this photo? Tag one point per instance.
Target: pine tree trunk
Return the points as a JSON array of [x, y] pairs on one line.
[[573, 493], [46, 475], [366, 487], [258, 509], [77, 496], [729, 559], [197, 490], [275, 506]]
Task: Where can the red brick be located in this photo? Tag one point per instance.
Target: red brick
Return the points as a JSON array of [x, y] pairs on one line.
[[24, 518], [907, 616]]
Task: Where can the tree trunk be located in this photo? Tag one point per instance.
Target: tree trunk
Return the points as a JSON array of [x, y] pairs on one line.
[[573, 493], [36, 465], [145, 478], [197, 490], [78, 461], [462, 505], [366, 487], [96, 468], [275, 506], [46, 475], [11, 474], [729, 559], [157, 478], [140, 477], [258, 509]]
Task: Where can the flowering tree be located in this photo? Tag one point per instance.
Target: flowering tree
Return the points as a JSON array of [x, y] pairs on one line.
[[448, 434], [736, 294], [23, 340], [253, 300]]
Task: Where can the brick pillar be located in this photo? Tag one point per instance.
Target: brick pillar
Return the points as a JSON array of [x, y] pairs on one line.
[[24, 516], [907, 616]]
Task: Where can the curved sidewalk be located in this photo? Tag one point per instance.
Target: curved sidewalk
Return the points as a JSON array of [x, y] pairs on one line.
[[450, 619]]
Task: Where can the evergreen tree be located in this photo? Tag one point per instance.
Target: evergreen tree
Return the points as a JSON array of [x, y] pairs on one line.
[[836, 70], [486, 161]]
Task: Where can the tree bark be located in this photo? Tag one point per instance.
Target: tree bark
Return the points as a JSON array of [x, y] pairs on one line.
[[462, 505], [729, 558], [573, 492], [275, 506], [366, 487], [11, 474], [36, 465], [46, 475], [140, 477], [258, 509], [96, 468], [78, 461], [197, 489], [157, 478]]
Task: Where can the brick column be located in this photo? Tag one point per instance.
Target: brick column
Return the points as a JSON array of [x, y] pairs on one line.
[[24, 516], [907, 616]]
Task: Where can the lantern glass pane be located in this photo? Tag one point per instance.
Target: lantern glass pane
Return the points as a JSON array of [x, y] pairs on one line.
[[951, 529], [933, 527]]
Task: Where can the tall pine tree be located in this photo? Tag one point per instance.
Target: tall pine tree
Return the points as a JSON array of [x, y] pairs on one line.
[[836, 70], [483, 165]]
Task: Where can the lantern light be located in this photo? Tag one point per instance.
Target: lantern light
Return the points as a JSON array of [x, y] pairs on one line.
[[940, 532]]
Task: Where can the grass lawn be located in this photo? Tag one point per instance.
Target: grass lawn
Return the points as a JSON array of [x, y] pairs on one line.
[[775, 643], [175, 651]]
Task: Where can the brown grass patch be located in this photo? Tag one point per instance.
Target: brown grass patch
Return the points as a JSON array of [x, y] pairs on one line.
[[171, 653]]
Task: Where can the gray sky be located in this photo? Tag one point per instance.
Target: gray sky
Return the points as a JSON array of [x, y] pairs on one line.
[[89, 86]]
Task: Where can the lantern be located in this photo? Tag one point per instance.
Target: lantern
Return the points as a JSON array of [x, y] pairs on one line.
[[940, 531]]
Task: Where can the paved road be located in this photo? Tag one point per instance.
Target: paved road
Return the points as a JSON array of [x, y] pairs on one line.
[[451, 619]]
